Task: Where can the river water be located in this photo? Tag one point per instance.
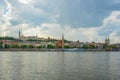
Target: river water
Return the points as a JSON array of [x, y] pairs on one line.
[[59, 65]]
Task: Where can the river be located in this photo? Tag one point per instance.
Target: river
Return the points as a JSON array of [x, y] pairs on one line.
[[30, 65]]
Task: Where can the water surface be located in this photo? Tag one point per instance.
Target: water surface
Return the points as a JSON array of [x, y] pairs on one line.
[[59, 65]]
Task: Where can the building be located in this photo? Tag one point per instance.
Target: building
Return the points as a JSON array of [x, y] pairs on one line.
[[100, 45], [76, 44], [107, 41], [60, 43], [19, 34], [24, 38]]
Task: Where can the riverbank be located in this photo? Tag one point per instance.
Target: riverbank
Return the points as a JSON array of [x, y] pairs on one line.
[[36, 49]]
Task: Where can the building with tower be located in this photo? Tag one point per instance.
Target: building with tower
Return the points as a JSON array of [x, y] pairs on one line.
[[107, 41], [62, 41], [22, 37], [19, 34]]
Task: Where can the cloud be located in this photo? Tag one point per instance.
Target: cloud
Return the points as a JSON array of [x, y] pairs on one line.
[[81, 20], [110, 27], [82, 13], [7, 12], [55, 30], [25, 1], [35, 12], [111, 23]]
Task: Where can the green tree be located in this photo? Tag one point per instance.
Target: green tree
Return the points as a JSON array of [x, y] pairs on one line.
[[1, 43], [1, 46], [43, 46], [7, 46], [39, 46], [66, 47], [15, 46], [92, 46], [50, 46], [85, 46], [31, 46], [24, 46], [114, 47]]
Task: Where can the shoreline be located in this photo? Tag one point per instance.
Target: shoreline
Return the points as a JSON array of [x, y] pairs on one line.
[[35, 49]]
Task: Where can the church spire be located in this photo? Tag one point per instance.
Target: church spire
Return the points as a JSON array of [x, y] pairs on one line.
[[107, 40], [62, 41], [19, 33]]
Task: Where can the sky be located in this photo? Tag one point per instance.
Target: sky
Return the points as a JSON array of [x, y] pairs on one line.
[[83, 20]]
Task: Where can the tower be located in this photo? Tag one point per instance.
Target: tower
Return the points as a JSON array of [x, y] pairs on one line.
[[107, 41], [19, 34], [62, 41]]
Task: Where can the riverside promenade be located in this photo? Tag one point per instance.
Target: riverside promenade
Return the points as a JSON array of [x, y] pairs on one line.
[[36, 49]]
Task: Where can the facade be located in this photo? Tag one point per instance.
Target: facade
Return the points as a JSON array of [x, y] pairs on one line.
[[60, 43], [76, 44], [19, 34], [22, 37], [100, 45], [107, 41]]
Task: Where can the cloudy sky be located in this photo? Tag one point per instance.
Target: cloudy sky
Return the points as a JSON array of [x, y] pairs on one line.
[[83, 20]]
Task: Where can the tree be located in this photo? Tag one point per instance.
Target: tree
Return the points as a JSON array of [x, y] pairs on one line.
[[43, 46], [1, 46], [114, 47], [15, 46], [66, 41], [92, 46], [7, 46], [67, 47], [31, 46], [1, 43], [39, 46], [23, 46], [85, 46], [50, 46]]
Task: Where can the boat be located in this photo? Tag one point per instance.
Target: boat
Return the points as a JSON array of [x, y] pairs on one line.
[[74, 49]]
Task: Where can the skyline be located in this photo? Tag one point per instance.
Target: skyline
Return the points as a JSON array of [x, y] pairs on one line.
[[81, 20]]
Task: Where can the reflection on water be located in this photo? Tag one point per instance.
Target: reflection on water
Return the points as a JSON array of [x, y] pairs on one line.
[[59, 65]]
